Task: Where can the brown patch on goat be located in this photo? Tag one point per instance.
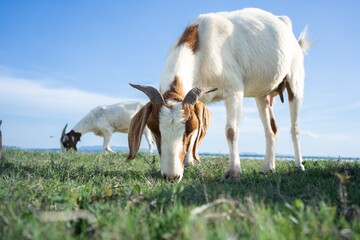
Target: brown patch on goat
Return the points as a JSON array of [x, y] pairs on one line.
[[290, 92], [191, 125], [230, 134], [176, 91], [204, 116], [273, 125], [197, 117], [190, 37]]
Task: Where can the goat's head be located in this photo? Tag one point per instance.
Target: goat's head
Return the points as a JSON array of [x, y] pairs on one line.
[[175, 123], [69, 140]]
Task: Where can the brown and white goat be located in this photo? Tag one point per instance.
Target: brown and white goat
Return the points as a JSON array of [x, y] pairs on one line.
[[245, 53]]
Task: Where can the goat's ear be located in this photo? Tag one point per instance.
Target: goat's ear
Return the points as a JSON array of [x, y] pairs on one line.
[[204, 116], [136, 129]]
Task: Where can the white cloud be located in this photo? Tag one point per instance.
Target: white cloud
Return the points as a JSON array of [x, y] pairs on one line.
[[338, 136], [33, 110], [22, 97], [310, 134]]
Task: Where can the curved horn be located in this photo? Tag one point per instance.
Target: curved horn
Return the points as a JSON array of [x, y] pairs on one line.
[[193, 95], [153, 94], [63, 131]]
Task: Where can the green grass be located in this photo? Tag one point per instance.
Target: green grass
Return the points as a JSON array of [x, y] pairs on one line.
[[97, 196]]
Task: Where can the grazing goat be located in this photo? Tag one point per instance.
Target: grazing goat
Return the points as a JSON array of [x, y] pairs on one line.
[[245, 53], [104, 121]]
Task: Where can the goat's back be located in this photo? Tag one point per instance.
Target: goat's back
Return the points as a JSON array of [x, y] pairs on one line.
[[248, 50], [113, 118]]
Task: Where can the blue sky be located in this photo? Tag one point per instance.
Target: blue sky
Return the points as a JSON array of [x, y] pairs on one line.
[[60, 59]]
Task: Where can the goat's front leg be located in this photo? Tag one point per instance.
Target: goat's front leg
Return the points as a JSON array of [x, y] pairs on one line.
[[106, 145], [233, 106], [294, 105], [270, 128]]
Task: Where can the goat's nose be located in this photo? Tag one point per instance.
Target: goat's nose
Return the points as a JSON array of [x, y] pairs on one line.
[[174, 178]]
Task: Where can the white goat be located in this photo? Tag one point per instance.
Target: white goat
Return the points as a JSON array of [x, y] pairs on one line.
[[245, 53], [104, 121]]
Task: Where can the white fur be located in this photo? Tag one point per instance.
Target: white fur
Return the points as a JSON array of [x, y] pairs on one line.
[[245, 53], [179, 62], [108, 119], [172, 128]]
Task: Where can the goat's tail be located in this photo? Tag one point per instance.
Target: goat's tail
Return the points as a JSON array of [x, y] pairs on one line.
[[304, 41]]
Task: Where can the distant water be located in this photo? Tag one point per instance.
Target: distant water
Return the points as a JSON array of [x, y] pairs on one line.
[[98, 149]]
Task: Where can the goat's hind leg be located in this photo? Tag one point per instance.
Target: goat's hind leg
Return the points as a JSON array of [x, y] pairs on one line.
[[294, 105], [150, 139], [264, 105]]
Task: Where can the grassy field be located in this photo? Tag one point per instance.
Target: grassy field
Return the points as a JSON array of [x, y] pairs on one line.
[[97, 196]]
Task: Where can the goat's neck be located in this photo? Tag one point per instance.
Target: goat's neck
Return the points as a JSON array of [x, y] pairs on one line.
[[84, 126], [180, 64]]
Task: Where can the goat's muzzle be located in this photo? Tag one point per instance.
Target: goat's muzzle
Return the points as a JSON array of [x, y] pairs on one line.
[[175, 178]]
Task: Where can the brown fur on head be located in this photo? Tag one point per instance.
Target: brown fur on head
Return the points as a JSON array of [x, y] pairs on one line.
[[137, 125], [199, 120]]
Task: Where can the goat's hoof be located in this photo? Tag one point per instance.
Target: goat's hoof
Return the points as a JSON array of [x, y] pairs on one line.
[[232, 174], [300, 169], [265, 171]]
